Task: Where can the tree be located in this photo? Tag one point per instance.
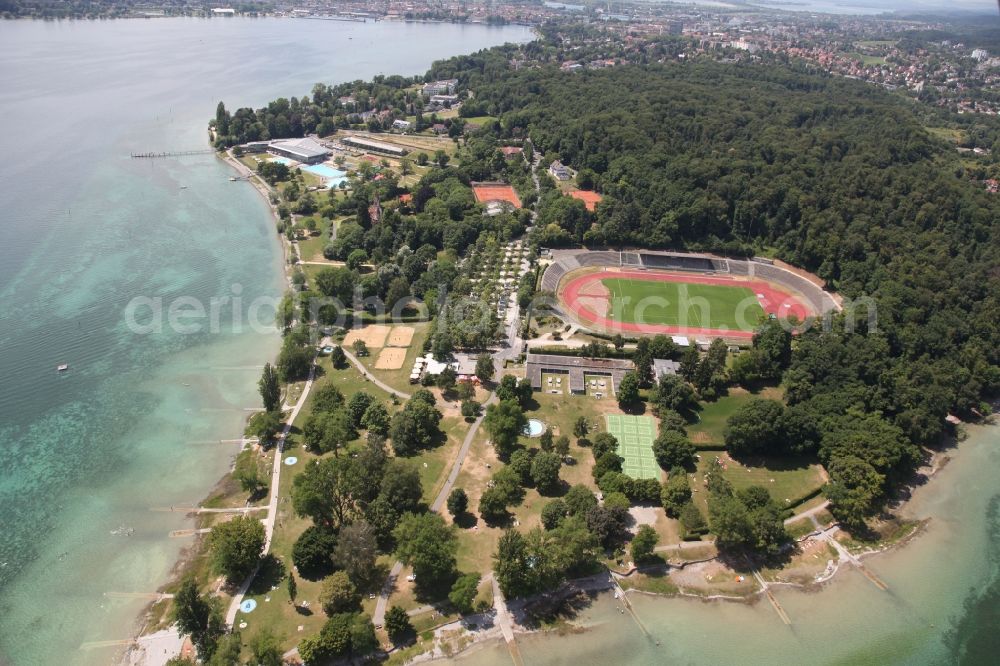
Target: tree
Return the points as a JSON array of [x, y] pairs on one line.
[[358, 405], [356, 258], [773, 343], [397, 625], [607, 524], [507, 389], [672, 449], [458, 502], [644, 544], [415, 426], [690, 360], [484, 368], [337, 357], [356, 550], [294, 361], [265, 425], [493, 506], [504, 422], [422, 159], [338, 594], [311, 553], [336, 283], [326, 491], [672, 393], [628, 390], [293, 587], [463, 592], [643, 359], [603, 442], [446, 379], [247, 473], [520, 465], [676, 492], [579, 500], [545, 441], [342, 635], [581, 427], [691, 518], [198, 618], [236, 546], [324, 432], [327, 398], [618, 342], [470, 409], [360, 348], [466, 391], [545, 471], [428, 544], [561, 445], [854, 489], [553, 513], [376, 419], [755, 428], [511, 567], [265, 649], [270, 388]]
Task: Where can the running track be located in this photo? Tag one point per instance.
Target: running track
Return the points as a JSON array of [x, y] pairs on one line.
[[772, 300]]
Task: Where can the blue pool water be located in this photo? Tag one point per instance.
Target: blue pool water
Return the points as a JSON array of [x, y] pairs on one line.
[[282, 160], [333, 177], [535, 428]]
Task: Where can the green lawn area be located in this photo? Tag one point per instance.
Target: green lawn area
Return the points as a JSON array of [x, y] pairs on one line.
[[784, 478], [712, 416], [683, 304], [866, 59], [635, 435]]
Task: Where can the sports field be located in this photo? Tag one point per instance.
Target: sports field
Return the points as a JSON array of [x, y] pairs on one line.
[[683, 304], [635, 435]]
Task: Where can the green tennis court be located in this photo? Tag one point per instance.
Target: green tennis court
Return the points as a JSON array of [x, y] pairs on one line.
[[683, 304], [635, 435]]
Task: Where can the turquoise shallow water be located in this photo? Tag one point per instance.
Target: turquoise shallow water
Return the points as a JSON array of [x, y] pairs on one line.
[[942, 606], [84, 229]]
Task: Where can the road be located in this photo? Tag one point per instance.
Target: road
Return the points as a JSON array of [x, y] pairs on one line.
[[272, 506]]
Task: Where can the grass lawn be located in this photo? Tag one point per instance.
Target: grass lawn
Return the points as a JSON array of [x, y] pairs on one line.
[[635, 435], [400, 379], [712, 416], [867, 59], [784, 478], [683, 304]]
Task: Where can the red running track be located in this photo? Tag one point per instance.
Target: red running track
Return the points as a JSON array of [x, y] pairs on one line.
[[773, 300]]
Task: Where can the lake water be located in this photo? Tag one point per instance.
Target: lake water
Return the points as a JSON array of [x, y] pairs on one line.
[[942, 605], [137, 421]]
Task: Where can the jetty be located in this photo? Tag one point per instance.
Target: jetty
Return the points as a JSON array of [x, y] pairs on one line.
[[171, 153]]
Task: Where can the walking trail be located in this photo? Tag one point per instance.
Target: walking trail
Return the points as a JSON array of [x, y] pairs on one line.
[[272, 506]]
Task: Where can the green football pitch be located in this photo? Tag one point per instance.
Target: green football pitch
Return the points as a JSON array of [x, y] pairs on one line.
[[635, 435], [683, 304]]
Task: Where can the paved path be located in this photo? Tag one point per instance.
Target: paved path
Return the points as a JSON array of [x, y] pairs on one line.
[[811, 513], [272, 506], [372, 378], [506, 625], [827, 535], [682, 545], [378, 617]]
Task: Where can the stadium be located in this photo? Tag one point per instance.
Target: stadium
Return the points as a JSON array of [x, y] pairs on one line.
[[649, 293]]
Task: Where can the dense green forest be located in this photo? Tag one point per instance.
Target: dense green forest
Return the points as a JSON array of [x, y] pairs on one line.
[[833, 175]]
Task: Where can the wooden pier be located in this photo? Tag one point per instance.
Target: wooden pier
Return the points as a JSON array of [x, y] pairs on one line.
[[174, 153]]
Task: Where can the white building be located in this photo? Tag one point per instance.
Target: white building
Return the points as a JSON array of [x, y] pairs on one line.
[[559, 171]]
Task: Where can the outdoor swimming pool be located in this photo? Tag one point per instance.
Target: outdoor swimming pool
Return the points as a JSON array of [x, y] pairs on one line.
[[332, 177], [282, 160], [535, 428]]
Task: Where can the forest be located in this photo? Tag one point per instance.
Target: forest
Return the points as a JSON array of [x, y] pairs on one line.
[[833, 175]]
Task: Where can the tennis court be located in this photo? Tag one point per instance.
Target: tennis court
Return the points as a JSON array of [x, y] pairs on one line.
[[635, 435]]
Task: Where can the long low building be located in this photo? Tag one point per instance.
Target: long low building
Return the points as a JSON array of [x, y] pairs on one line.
[[307, 151], [380, 147], [577, 367]]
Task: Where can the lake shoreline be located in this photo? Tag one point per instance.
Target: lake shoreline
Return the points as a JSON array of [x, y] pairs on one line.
[[473, 641], [138, 653]]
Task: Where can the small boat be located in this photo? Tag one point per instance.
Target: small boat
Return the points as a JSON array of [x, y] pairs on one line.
[[62, 368], [184, 187]]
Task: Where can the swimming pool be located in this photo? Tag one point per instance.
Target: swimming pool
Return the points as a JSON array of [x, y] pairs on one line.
[[535, 428], [282, 160], [332, 177]]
